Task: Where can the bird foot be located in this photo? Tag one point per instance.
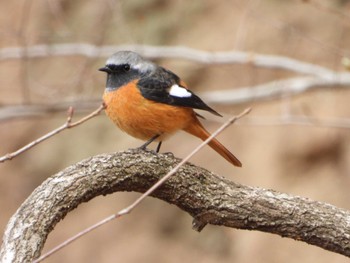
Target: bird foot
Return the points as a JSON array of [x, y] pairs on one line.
[[142, 149]]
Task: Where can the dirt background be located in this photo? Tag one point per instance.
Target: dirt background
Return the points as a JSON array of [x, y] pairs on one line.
[[309, 161]]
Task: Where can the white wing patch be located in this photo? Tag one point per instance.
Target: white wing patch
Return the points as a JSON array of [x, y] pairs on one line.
[[178, 91]]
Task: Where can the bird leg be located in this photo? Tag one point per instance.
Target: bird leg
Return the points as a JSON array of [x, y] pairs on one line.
[[144, 146], [158, 147]]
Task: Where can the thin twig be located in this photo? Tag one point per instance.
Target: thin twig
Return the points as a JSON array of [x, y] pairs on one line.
[[310, 121], [18, 111], [56, 9], [344, 17], [128, 209], [67, 125], [22, 40]]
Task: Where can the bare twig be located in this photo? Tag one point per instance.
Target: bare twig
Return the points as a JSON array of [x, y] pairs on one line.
[[181, 52], [311, 121], [22, 40], [128, 209], [241, 31], [11, 112], [67, 125], [56, 9]]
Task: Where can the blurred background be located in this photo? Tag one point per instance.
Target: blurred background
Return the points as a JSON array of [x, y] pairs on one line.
[[297, 143]]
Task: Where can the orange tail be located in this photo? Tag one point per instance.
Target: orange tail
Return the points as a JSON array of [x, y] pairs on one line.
[[197, 129]]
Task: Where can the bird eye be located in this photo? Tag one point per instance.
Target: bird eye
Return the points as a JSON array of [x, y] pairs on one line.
[[126, 67]]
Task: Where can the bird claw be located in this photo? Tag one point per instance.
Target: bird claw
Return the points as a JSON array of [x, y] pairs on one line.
[[142, 149]]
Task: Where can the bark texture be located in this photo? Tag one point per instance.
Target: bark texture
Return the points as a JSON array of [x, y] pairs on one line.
[[208, 198]]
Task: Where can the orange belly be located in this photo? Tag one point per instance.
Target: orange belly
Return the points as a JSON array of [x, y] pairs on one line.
[[143, 118]]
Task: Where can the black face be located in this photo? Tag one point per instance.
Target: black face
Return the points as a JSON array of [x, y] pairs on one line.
[[112, 68], [119, 75]]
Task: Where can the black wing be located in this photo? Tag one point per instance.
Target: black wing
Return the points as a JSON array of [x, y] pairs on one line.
[[157, 87]]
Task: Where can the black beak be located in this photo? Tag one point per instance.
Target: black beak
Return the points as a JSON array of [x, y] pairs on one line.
[[105, 69]]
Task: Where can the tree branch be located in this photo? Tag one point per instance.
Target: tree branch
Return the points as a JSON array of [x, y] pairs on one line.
[[274, 89], [182, 52], [208, 198]]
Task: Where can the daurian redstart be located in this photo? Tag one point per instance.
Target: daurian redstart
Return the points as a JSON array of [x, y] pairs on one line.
[[150, 102]]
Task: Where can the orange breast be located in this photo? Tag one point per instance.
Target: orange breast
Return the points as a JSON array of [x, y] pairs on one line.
[[143, 118]]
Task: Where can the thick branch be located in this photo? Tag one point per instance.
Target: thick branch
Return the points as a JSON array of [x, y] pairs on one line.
[[208, 198]]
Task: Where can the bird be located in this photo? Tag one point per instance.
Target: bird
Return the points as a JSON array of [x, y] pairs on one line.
[[150, 102]]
